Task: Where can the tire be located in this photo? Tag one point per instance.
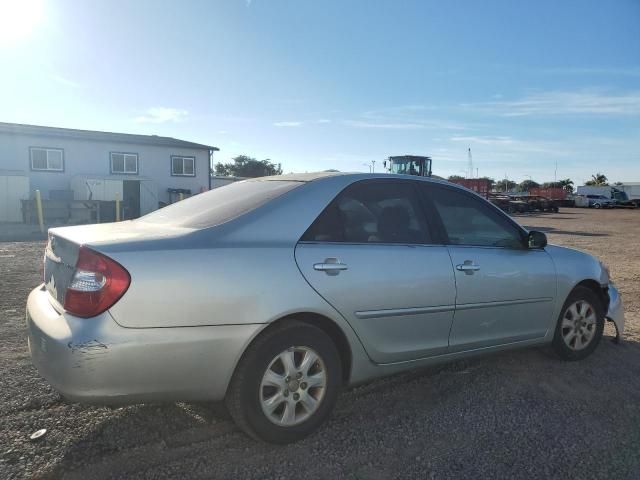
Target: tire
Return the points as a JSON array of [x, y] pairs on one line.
[[580, 345], [597, 205], [248, 396]]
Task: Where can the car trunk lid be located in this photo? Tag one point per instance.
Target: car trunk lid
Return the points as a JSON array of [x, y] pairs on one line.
[[63, 247]]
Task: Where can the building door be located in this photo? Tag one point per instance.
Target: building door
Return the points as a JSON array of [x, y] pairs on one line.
[[131, 199]]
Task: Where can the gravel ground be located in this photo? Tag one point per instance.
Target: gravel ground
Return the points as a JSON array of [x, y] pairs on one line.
[[521, 414]]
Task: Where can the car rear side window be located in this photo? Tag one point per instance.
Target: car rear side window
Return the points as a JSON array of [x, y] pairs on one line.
[[372, 212], [467, 220], [220, 204]]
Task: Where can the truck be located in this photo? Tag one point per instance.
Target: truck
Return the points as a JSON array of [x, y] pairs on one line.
[[619, 196], [632, 189], [481, 186], [409, 165], [593, 201]]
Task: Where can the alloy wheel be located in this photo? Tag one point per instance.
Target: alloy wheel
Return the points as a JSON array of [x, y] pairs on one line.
[[579, 325], [293, 386]]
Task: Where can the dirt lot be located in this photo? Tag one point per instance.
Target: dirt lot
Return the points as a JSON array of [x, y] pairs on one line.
[[521, 414]]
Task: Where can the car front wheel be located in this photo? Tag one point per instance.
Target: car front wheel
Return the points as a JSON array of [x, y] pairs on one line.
[[579, 328], [286, 384]]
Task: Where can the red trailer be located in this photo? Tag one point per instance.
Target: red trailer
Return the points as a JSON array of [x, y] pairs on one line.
[[554, 193], [479, 185]]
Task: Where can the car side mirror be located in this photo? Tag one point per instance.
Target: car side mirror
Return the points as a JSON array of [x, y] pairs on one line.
[[537, 239]]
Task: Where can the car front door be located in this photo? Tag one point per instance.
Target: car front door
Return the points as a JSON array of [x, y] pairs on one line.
[[369, 254], [505, 290]]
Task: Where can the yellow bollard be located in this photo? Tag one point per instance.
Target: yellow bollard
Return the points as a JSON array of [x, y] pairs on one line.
[[181, 196], [39, 208], [117, 206]]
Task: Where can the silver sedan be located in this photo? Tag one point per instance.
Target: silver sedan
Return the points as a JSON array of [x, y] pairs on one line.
[[275, 293]]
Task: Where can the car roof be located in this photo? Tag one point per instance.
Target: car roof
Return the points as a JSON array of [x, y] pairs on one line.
[[314, 176], [302, 177]]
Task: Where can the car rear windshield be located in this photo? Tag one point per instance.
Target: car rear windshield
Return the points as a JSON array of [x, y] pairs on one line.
[[220, 204]]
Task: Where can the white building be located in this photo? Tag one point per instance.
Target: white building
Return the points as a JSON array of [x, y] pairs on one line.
[[143, 171]]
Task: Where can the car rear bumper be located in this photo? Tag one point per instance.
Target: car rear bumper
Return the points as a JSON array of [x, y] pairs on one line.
[[96, 360], [616, 309]]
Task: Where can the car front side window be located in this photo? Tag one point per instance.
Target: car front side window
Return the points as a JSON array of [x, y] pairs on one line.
[[469, 221]]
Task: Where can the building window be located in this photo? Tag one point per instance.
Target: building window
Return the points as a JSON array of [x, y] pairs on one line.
[[183, 166], [47, 159], [124, 163]]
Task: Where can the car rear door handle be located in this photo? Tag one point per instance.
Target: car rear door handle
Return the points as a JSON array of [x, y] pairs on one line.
[[331, 266], [468, 267]]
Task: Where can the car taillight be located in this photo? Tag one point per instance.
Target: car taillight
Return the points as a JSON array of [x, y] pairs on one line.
[[97, 284]]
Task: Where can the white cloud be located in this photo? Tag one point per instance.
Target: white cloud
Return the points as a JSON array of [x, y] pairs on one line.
[[581, 102], [323, 120], [404, 125], [484, 140], [162, 115], [287, 124], [65, 81], [620, 71], [382, 125], [510, 148], [402, 111], [403, 117]]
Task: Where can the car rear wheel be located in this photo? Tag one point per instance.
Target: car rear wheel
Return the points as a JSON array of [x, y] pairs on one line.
[[579, 328], [286, 384]]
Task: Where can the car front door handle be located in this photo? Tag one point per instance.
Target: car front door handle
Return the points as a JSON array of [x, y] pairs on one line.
[[468, 267], [331, 266]]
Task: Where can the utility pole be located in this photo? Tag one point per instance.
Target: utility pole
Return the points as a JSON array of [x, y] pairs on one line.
[[373, 166], [470, 165], [555, 173]]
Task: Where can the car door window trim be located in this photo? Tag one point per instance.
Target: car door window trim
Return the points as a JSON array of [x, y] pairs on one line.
[[380, 244]]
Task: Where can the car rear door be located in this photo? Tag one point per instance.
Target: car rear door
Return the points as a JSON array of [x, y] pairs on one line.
[[505, 291], [370, 255]]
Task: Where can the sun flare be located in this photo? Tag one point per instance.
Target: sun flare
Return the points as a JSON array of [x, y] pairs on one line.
[[18, 19]]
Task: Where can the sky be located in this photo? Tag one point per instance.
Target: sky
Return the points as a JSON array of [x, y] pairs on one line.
[[540, 90]]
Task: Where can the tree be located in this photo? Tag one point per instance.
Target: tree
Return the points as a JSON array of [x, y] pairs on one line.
[[455, 178], [245, 166], [598, 180], [567, 184], [505, 185], [527, 185]]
